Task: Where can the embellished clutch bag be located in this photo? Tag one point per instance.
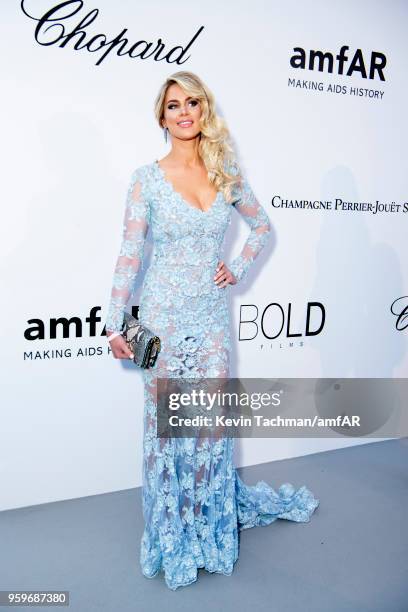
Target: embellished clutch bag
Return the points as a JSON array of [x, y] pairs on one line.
[[144, 345]]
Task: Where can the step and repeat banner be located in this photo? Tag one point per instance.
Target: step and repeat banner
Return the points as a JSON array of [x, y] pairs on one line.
[[316, 104]]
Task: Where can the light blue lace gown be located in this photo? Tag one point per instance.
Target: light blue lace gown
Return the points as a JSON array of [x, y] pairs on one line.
[[194, 502]]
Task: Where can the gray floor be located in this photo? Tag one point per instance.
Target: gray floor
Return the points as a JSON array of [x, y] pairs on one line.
[[352, 556]]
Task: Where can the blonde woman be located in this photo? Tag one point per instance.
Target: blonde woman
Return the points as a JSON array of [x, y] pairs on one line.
[[194, 502]]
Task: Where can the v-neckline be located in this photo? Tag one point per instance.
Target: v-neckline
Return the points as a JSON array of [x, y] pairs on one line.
[[182, 199]]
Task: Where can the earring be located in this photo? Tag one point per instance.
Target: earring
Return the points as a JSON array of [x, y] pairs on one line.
[[165, 134]]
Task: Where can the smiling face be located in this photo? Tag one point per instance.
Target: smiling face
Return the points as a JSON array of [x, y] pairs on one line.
[[182, 113]]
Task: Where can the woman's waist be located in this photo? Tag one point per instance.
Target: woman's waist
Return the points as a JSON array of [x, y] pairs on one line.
[[181, 280], [198, 268], [200, 254]]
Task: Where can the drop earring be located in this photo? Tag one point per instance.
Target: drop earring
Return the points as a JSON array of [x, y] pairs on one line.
[[165, 134]]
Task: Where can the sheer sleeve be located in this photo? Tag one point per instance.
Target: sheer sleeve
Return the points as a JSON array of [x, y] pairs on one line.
[[255, 216], [135, 225]]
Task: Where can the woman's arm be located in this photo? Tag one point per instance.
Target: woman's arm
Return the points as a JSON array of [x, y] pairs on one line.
[[255, 216], [135, 225]]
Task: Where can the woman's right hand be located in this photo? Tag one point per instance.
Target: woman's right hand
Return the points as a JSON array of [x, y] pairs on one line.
[[120, 349]]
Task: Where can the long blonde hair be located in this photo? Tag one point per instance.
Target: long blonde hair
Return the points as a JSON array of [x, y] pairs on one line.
[[215, 146]]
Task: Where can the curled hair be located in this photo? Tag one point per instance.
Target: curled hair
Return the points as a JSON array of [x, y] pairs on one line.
[[215, 146]]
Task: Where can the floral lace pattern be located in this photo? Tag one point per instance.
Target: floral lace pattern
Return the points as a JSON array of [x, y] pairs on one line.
[[194, 502]]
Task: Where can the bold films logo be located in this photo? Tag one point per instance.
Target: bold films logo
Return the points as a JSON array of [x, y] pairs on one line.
[[273, 325]]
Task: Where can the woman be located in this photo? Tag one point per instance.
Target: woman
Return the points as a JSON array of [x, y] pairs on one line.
[[194, 502]]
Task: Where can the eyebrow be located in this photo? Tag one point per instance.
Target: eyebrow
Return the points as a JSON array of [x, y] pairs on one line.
[[168, 101]]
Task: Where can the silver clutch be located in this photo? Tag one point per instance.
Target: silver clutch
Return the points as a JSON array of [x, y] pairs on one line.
[[143, 343]]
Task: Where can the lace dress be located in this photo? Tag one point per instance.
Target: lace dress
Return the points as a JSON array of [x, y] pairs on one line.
[[194, 502]]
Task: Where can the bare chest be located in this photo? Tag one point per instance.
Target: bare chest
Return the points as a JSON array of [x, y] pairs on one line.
[[193, 186]]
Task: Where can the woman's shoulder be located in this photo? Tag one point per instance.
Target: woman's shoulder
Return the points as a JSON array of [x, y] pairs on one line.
[[231, 166], [145, 175], [144, 172]]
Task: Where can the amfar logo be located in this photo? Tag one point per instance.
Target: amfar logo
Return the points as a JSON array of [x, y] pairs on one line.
[[399, 308], [275, 320], [307, 60], [73, 327]]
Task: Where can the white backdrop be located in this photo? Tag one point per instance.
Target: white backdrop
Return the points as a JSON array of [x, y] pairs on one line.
[[73, 132]]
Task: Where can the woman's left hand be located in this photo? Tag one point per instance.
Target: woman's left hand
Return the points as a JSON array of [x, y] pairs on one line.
[[224, 276]]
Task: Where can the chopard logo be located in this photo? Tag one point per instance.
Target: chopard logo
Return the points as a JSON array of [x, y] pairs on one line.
[[324, 61], [51, 31], [399, 308]]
